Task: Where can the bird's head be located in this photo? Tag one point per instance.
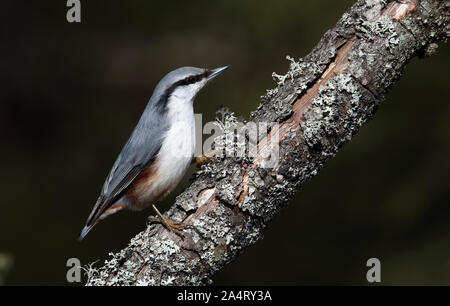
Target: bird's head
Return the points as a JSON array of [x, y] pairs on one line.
[[184, 83]]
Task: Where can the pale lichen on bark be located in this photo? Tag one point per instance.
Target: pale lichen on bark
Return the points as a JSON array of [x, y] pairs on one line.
[[319, 104]]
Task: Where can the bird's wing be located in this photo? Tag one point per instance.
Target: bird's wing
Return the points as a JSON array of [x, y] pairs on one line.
[[137, 154]]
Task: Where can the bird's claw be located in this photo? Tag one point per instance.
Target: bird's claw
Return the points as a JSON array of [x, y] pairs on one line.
[[205, 158], [173, 226]]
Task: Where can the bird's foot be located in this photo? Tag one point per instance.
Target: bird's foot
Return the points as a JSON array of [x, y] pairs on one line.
[[173, 226], [169, 224], [206, 157]]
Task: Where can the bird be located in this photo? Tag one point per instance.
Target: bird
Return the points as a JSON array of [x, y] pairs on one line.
[[158, 152]]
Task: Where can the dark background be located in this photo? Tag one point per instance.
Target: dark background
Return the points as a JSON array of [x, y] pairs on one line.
[[71, 94]]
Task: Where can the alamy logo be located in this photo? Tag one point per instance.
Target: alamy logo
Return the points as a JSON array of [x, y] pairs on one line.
[[74, 12], [374, 273], [234, 138], [73, 274]]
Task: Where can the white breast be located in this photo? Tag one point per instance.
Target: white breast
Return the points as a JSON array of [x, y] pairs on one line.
[[178, 147], [174, 157]]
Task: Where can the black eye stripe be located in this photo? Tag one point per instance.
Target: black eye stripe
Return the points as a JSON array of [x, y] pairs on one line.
[[183, 82], [193, 79]]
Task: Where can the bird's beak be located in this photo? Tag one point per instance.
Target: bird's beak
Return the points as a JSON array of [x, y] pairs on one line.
[[216, 72]]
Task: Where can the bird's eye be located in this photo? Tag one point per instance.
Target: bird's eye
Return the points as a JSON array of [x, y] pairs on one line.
[[191, 80]]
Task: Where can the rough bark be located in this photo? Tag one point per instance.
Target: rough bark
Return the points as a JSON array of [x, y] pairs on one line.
[[319, 104]]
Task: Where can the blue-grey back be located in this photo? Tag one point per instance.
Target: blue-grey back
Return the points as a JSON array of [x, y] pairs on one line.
[[140, 149]]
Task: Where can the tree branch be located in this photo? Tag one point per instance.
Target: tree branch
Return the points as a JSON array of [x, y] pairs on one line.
[[319, 104]]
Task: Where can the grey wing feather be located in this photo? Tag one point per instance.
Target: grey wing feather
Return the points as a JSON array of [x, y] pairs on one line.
[[137, 154]]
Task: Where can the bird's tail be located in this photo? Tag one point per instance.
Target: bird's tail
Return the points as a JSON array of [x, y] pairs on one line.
[[86, 230], [102, 214], [92, 220]]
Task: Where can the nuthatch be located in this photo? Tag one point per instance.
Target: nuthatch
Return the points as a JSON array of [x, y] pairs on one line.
[[159, 150]]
